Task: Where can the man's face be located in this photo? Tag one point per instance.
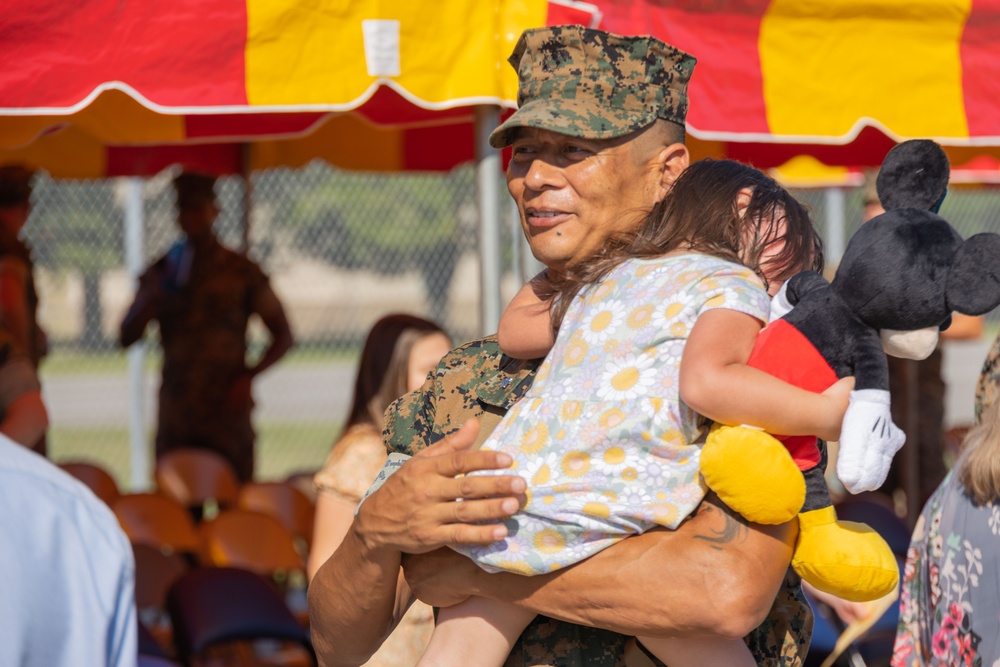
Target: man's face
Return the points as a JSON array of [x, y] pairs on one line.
[[196, 222], [572, 193]]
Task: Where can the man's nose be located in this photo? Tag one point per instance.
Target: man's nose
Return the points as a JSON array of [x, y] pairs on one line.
[[544, 174]]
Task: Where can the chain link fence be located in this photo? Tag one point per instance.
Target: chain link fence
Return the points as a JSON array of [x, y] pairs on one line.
[[342, 249]]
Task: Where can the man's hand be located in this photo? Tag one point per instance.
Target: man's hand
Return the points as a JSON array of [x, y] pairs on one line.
[[440, 578], [418, 510]]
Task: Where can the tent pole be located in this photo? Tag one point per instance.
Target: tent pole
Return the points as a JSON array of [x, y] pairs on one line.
[[138, 447], [488, 189], [835, 225], [247, 195]]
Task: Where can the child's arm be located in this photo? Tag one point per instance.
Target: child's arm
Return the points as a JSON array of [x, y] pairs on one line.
[[716, 382], [525, 330]]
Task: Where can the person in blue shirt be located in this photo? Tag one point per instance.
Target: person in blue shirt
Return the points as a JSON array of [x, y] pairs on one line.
[[67, 597]]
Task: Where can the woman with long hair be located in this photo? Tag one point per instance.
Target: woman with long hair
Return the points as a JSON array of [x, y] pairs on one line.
[[949, 606], [399, 352]]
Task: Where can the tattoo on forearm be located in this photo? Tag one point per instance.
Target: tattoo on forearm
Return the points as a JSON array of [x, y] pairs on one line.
[[734, 527]]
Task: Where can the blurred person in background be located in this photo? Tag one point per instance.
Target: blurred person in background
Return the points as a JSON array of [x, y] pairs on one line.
[[22, 341], [949, 604], [399, 351], [203, 294], [68, 594]]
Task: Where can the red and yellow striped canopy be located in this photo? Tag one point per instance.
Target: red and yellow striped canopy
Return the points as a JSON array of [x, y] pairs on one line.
[[808, 83], [114, 87]]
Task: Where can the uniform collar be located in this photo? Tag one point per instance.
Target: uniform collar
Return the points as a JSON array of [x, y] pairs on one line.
[[511, 381]]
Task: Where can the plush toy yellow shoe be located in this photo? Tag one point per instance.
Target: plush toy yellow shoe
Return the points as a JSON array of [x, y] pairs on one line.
[[753, 474], [843, 558]]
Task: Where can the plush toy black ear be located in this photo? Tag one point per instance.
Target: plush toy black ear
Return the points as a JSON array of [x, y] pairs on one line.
[[974, 280], [914, 174]]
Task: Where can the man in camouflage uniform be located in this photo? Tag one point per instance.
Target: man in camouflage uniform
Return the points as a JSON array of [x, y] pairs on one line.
[[597, 140], [203, 295]]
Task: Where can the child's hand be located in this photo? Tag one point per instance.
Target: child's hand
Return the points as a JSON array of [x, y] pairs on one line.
[[839, 395]]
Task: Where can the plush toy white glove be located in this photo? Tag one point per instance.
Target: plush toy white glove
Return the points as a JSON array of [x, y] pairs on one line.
[[868, 441], [780, 304]]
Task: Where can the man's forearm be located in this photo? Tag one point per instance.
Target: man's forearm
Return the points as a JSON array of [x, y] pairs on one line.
[[713, 576], [353, 603]]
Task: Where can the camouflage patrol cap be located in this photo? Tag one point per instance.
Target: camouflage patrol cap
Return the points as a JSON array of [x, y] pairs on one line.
[[194, 189], [15, 185], [594, 84]]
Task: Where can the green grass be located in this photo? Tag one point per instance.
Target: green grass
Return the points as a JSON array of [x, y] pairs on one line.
[[282, 448]]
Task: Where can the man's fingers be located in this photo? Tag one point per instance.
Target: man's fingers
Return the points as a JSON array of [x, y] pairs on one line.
[[460, 463], [461, 439], [482, 486], [463, 533], [474, 511]]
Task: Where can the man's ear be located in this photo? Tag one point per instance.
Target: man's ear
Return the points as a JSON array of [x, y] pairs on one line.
[[672, 161]]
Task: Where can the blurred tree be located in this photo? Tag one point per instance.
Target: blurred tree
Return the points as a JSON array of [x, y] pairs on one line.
[[388, 223]]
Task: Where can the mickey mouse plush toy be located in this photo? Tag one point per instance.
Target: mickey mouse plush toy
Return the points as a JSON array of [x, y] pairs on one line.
[[901, 277]]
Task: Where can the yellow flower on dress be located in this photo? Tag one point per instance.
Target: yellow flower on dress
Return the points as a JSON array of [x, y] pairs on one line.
[[535, 439], [542, 476], [575, 463], [639, 317], [571, 410], [644, 270], [708, 284], [598, 326], [678, 307], [599, 510], [603, 289], [537, 471], [576, 352], [516, 566], [549, 541], [627, 379], [611, 418], [664, 514], [716, 301], [613, 455]]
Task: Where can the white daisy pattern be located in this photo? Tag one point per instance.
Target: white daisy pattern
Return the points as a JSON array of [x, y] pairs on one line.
[[600, 324], [613, 455], [628, 379]]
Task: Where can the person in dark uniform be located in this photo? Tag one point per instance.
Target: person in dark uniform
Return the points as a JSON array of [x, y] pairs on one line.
[[203, 294]]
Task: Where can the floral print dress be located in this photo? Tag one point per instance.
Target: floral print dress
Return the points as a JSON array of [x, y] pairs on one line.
[[949, 613], [602, 437]]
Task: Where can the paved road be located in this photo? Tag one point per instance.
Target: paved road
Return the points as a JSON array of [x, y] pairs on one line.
[[284, 393], [322, 392]]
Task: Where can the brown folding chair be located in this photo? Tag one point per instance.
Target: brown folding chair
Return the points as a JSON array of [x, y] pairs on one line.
[[199, 479], [284, 502], [156, 520], [96, 478], [250, 540], [155, 572]]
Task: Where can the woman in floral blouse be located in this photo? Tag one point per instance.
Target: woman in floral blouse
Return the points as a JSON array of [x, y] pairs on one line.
[[950, 603]]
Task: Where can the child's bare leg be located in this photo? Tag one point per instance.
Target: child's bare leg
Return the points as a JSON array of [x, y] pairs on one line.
[[699, 651], [475, 632]]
